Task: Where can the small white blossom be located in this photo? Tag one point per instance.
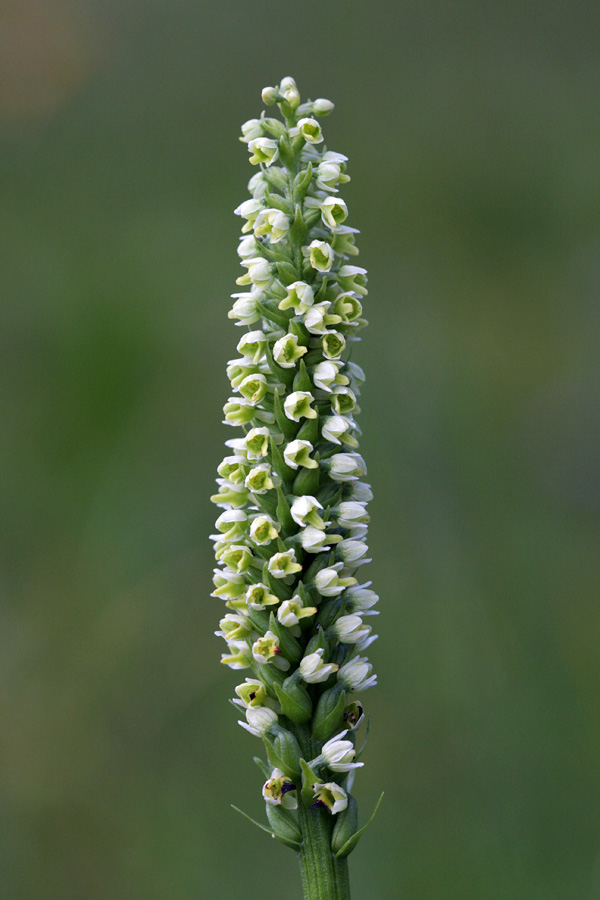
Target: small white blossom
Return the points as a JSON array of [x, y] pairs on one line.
[[338, 754], [252, 345], [296, 454], [333, 344], [283, 564], [304, 512], [336, 427], [258, 479], [353, 278], [321, 255], [245, 309], [256, 443], [330, 795], [350, 629], [263, 150], [310, 130], [264, 530], [346, 466], [314, 670], [279, 790], [286, 351], [326, 374], [291, 612], [356, 675], [333, 212], [297, 406], [314, 540], [300, 297], [319, 317], [329, 584], [259, 719], [273, 223]]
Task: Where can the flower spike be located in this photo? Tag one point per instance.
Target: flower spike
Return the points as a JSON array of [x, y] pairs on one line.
[[291, 533]]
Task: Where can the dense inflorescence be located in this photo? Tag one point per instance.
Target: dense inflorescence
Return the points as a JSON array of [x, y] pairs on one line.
[[291, 536]]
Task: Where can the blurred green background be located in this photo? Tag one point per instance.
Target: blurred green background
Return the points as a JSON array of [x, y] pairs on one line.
[[473, 135]]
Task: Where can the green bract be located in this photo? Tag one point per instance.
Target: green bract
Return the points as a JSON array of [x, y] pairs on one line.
[[292, 534]]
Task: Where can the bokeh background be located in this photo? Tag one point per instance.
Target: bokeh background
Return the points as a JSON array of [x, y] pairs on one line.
[[473, 135]]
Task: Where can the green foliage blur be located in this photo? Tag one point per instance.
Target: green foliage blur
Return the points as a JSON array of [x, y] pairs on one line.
[[473, 135]]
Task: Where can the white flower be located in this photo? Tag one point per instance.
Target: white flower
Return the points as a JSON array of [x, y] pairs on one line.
[[314, 670], [338, 754], [266, 648], [361, 492], [247, 247], [282, 564], [310, 130], [297, 454], [318, 317], [259, 272], [329, 584], [300, 297], [343, 400], [251, 129], [272, 222], [258, 596], [280, 791], [304, 511], [351, 551], [286, 351], [333, 212], [291, 611], [361, 600], [263, 150], [353, 278], [258, 480], [336, 427], [245, 309], [264, 530], [249, 210], [297, 405], [346, 466], [330, 795], [326, 374], [334, 344], [256, 442], [314, 540], [238, 656], [259, 719], [253, 388], [252, 345], [350, 629], [321, 255], [351, 514], [356, 675]]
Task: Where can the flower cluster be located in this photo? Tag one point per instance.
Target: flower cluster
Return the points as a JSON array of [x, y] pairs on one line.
[[291, 537]]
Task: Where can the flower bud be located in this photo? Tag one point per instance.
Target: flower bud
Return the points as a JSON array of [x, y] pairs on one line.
[[322, 107], [289, 91], [269, 96], [350, 629], [259, 720]]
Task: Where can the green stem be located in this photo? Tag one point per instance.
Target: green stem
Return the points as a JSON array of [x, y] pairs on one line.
[[323, 876]]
